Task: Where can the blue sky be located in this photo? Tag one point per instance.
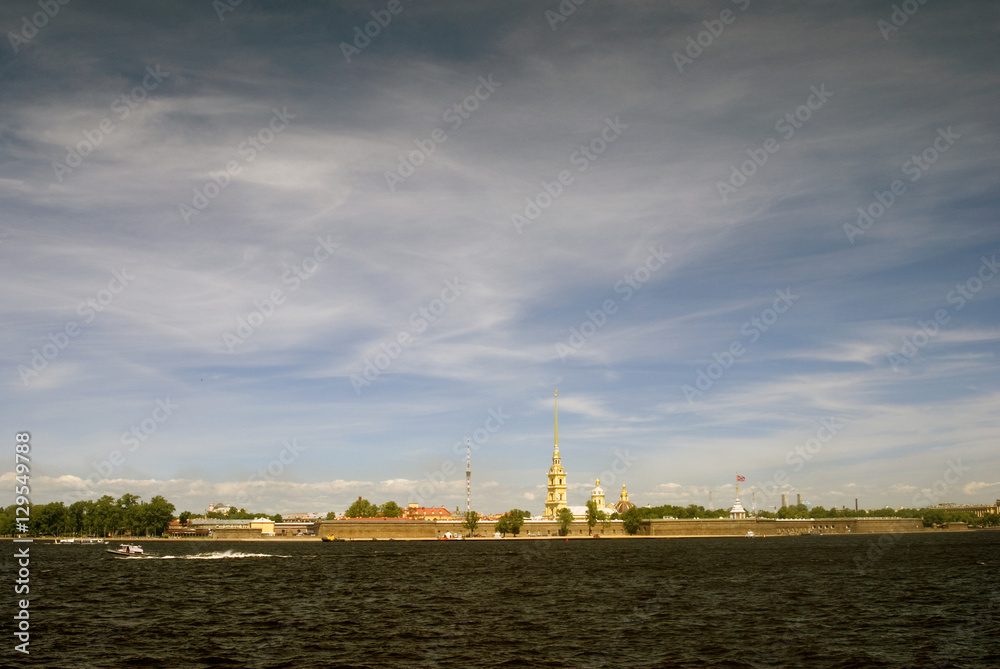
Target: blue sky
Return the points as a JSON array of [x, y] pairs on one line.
[[214, 221]]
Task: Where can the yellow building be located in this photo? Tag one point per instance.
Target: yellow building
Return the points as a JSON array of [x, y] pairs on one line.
[[556, 497], [597, 497], [265, 525]]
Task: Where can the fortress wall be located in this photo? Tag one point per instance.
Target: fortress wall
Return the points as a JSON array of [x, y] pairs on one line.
[[773, 527], [361, 528]]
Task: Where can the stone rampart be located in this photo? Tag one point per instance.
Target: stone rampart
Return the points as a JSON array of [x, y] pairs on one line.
[[773, 527], [368, 528]]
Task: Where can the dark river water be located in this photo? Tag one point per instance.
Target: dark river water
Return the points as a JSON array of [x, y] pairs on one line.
[[916, 600]]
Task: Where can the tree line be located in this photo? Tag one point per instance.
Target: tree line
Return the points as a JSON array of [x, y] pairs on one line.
[[930, 516], [108, 517], [362, 508]]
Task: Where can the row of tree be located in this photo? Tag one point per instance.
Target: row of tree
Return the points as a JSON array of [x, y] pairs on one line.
[[930, 516], [362, 508], [105, 517]]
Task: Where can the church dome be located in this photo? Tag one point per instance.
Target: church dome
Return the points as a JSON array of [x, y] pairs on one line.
[[623, 504]]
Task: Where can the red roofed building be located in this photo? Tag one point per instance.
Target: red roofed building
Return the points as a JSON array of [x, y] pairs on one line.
[[415, 512]]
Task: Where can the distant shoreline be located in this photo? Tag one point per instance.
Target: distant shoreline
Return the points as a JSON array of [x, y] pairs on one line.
[[316, 539]]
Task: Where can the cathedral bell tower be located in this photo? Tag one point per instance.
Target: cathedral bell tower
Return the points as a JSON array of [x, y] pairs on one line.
[[556, 497]]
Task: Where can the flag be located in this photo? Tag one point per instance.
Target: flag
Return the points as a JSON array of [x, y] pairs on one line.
[[740, 479]]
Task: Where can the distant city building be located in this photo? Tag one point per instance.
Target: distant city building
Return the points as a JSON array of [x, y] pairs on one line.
[[416, 512], [979, 510], [219, 508], [301, 517], [264, 525]]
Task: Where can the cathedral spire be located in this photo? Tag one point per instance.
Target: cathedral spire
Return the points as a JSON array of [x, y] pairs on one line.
[[556, 459], [556, 497]]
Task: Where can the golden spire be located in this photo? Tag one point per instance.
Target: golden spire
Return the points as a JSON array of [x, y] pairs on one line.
[[556, 402]]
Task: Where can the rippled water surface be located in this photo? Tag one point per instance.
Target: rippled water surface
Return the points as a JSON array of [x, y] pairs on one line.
[[917, 600]]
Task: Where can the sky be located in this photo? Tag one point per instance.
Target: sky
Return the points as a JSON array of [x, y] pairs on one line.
[[283, 255]]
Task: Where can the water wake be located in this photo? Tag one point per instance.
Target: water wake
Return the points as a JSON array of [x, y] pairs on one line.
[[221, 555]]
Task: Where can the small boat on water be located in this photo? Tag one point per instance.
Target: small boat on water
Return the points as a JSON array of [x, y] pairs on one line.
[[129, 550], [331, 537], [81, 541]]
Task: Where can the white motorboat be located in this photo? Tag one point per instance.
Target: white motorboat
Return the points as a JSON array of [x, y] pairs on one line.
[[129, 550]]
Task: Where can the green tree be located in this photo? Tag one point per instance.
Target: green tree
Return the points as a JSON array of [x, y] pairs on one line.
[[631, 520], [50, 519], [391, 510], [331, 515], [159, 512], [361, 508], [516, 520], [7, 521], [565, 518], [471, 522], [107, 516], [591, 515], [510, 522], [185, 515]]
